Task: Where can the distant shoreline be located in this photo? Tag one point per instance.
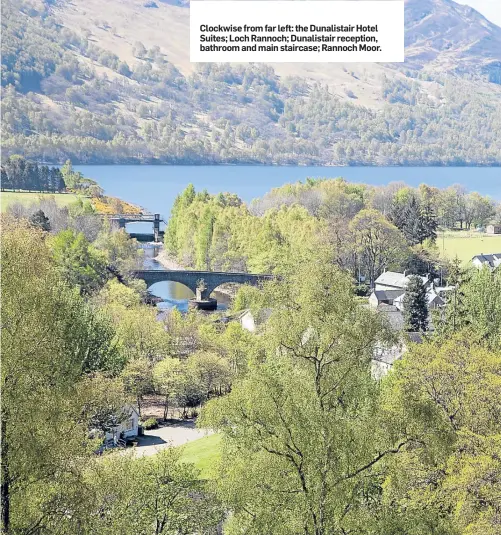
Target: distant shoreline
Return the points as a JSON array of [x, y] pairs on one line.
[[420, 165]]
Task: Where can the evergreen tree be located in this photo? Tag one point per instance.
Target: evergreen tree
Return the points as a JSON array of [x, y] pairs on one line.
[[5, 181], [429, 222], [415, 305], [44, 175], [412, 222], [40, 220], [454, 317], [405, 214]]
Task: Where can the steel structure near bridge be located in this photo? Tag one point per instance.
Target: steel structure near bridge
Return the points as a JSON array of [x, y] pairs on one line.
[[156, 219]]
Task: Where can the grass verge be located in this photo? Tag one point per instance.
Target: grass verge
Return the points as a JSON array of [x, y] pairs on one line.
[[204, 453], [465, 245], [12, 197]]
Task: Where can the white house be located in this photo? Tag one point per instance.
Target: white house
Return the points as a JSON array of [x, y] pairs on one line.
[[252, 322], [434, 300], [493, 229], [386, 297], [492, 261], [126, 429]]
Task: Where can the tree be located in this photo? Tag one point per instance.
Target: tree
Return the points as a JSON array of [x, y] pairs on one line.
[[40, 220], [301, 446], [482, 306], [445, 396], [45, 345], [159, 494], [379, 243], [139, 50], [81, 263], [210, 372], [138, 380], [429, 222], [415, 304], [169, 378]]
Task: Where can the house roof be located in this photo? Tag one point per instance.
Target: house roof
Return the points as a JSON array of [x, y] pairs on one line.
[[434, 297], [387, 295], [393, 315], [416, 338], [392, 278], [431, 296], [397, 280], [492, 260]]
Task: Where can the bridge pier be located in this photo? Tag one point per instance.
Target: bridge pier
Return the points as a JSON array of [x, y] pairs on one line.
[[156, 228], [203, 304]]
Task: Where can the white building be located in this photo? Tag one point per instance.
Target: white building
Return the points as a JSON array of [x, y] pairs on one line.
[[492, 261], [434, 300], [386, 297], [127, 429]]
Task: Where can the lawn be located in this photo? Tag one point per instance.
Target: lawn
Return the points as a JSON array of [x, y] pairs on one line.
[[11, 197], [465, 245], [203, 453]]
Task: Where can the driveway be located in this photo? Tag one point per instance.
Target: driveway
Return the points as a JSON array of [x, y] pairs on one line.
[[175, 434]]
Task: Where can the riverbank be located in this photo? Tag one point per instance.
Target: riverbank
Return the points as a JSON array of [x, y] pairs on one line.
[[168, 262]]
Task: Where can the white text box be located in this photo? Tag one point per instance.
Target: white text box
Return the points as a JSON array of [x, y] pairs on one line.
[[294, 31]]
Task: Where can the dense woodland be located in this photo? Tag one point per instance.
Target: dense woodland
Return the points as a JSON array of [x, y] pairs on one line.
[[21, 174], [64, 97], [367, 229], [312, 443]]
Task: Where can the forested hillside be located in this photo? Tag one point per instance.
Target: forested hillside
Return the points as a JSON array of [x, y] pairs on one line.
[[76, 86]]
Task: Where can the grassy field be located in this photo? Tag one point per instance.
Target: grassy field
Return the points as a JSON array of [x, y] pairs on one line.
[[203, 453], [465, 245], [11, 197]]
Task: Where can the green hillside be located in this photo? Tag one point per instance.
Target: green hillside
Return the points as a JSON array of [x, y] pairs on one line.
[[89, 89]]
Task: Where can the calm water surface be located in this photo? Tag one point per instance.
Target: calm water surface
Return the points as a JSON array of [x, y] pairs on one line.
[[154, 187]]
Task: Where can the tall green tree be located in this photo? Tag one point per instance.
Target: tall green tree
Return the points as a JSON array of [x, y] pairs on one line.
[[379, 244], [80, 262], [415, 305], [446, 396], [46, 348], [301, 447]]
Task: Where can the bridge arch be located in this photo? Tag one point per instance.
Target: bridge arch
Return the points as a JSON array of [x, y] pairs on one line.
[[155, 288]]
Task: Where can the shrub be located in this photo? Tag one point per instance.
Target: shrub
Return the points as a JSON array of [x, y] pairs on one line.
[[150, 423]]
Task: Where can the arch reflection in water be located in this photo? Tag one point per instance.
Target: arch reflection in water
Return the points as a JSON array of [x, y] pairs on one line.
[[176, 295]]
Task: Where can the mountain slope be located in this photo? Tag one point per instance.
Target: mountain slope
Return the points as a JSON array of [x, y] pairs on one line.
[[111, 82], [442, 35]]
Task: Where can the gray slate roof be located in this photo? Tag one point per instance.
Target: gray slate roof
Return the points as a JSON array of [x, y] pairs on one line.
[[391, 278], [393, 315], [388, 295], [492, 260], [398, 280]]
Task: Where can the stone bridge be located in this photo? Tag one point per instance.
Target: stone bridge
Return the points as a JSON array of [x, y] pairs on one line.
[[191, 279]]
